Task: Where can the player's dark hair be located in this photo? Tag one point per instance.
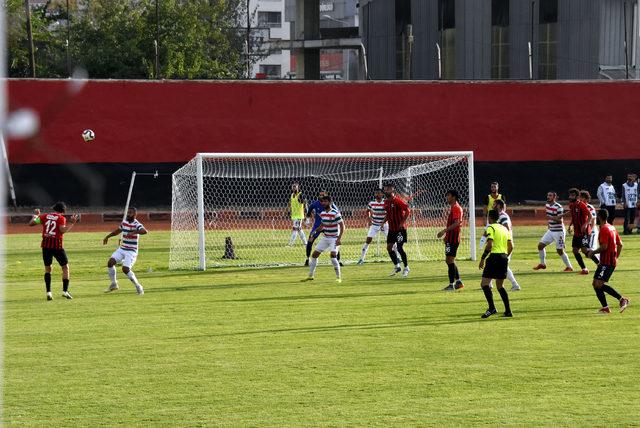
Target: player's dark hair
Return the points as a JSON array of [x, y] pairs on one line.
[[134, 209], [494, 215], [389, 185], [326, 198], [499, 202], [585, 194], [608, 175], [553, 192], [59, 207], [323, 191], [453, 193], [603, 214], [379, 190], [494, 182], [574, 191]]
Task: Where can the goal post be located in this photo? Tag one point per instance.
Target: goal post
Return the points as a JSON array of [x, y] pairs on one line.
[[233, 209]]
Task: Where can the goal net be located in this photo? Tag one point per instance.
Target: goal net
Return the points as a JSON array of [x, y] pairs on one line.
[[234, 209]]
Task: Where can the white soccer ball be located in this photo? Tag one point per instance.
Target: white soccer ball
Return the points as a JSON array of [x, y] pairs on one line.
[[88, 135]]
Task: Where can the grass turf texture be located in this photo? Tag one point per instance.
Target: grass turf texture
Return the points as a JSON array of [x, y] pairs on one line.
[[257, 347]]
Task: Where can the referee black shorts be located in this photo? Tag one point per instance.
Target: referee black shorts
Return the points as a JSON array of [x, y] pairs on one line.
[[496, 266], [48, 254]]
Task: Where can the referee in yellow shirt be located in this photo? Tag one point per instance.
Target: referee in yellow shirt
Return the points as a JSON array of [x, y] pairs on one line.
[[495, 262]]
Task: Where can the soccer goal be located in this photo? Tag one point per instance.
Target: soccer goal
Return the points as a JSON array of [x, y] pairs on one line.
[[233, 209]]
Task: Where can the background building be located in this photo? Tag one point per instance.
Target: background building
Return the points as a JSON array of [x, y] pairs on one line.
[[268, 24], [501, 39]]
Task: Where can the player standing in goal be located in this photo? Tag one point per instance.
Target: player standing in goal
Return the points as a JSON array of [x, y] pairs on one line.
[[452, 240], [377, 219], [297, 206], [609, 249], [127, 253], [397, 211], [555, 232], [333, 228], [54, 226]]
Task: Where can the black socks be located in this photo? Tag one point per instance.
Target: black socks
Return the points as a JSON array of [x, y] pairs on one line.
[[403, 255], [610, 291], [452, 272], [47, 281], [394, 257], [65, 285], [309, 247], [488, 294], [505, 299], [579, 260]]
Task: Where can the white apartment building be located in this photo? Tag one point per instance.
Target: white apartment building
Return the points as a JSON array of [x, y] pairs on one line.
[[269, 23]]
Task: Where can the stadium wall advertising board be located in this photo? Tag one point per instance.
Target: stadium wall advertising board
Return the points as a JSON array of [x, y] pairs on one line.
[[530, 136]]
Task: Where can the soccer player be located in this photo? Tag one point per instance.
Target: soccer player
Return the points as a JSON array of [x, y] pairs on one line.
[[313, 210], [629, 202], [585, 196], [609, 250], [488, 205], [127, 253], [505, 220], [397, 211], [377, 219], [54, 226], [452, 240], [555, 233], [607, 197], [333, 228], [297, 206], [496, 253], [581, 225]]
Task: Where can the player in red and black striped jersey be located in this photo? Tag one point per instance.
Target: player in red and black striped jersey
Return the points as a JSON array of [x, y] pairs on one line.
[[609, 249], [452, 240], [581, 224], [54, 226], [397, 211]]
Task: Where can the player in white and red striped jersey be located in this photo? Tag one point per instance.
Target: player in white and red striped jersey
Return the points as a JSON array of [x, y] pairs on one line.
[[377, 218], [127, 253], [332, 227], [555, 233]]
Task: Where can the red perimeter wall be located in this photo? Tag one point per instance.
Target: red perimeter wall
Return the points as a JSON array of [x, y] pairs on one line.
[[152, 122]]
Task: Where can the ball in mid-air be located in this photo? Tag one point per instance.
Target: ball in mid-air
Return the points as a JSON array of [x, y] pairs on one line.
[[88, 135]]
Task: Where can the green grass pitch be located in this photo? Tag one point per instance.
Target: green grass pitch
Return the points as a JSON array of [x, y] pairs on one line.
[[256, 347]]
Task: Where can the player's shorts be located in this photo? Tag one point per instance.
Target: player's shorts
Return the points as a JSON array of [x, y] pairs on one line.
[[398, 237], [296, 223], [593, 240], [374, 229], [604, 272], [581, 241], [554, 236], [451, 249], [496, 266], [327, 243], [48, 254], [127, 258]]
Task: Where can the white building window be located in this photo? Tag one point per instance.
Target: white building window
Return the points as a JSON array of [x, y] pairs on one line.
[[270, 19], [271, 70]]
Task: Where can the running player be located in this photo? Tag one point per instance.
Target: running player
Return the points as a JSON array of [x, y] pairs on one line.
[[488, 205], [496, 253], [452, 240], [127, 253], [581, 225], [297, 206], [609, 249], [555, 233], [377, 222], [333, 228], [505, 220], [54, 226], [397, 211]]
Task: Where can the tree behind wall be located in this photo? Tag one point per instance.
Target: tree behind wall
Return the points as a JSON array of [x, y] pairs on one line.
[[199, 39]]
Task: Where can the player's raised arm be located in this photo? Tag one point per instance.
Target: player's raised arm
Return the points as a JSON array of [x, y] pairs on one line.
[[35, 220], [64, 228]]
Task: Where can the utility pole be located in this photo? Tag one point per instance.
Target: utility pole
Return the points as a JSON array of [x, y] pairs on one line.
[[68, 40], [156, 43], [248, 42], [626, 49], [533, 11], [32, 57]]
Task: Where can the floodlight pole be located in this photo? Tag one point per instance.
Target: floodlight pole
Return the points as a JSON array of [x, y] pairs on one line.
[[32, 57]]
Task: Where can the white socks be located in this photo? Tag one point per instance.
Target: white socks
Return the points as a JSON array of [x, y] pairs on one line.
[[543, 256], [336, 266], [303, 237], [312, 266], [511, 278], [112, 274], [293, 238], [365, 248], [132, 278], [565, 259]]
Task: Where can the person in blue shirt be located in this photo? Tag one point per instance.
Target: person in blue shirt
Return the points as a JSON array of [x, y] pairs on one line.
[[314, 209]]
